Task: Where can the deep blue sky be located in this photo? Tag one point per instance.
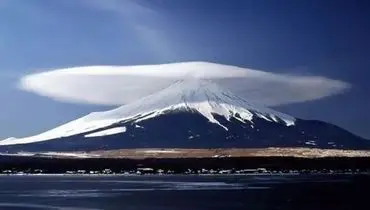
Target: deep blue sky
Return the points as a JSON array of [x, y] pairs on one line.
[[313, 37]]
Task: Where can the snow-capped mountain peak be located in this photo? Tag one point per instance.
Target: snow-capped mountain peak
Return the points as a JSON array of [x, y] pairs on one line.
[[200, 96]]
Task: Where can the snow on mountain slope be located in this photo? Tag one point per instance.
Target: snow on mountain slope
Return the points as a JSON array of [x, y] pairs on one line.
[[107, 132], [195, 95]]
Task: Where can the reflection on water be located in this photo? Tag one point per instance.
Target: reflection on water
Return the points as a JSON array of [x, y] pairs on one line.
[[183, 192]]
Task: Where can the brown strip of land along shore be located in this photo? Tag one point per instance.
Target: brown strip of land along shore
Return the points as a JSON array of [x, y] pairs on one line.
[[229, 152]]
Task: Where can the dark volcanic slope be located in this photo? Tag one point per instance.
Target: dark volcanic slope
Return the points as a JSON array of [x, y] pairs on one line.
[[191, 130]]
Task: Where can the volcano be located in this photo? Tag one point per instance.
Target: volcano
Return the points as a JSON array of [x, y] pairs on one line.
[[189, 113]]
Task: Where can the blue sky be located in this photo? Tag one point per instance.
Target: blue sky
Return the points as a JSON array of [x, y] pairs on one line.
[[328, 38]]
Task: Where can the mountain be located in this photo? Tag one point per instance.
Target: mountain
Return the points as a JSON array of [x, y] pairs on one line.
[[188, 114]]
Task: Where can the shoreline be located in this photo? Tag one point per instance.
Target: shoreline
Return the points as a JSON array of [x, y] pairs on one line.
[[164, 166], [189, 175], [299, 152]]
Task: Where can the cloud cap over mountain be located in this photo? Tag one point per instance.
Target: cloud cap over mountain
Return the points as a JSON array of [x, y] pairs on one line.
[[118, 85]]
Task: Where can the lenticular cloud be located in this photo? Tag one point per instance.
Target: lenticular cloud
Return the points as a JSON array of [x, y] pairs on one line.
[[119, 85]]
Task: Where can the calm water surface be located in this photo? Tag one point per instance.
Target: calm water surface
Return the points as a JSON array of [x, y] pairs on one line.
[[185, 192]]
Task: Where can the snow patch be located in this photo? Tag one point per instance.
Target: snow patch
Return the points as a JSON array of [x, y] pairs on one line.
[[274, 118], [138, 126], [160, 151], [64, 154], [107, 132], [54, 154], [311, 143]]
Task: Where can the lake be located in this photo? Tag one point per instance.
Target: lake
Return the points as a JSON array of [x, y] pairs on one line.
[[231, 192]]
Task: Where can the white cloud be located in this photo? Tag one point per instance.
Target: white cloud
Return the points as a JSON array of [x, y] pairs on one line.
[[118, 85]]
